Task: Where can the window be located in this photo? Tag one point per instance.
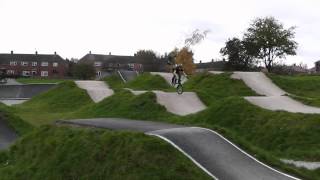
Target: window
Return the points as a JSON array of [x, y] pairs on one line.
[[13, 63], [54, 71], [131, 66], [34, 73], [25, 73], [44, 63], [24, 63], [55, 64], [34, 63], [97, 64], [10, 71], [44, 73], [99, 73]]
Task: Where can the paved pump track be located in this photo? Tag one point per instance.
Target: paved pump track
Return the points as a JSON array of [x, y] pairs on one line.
[[97, 90], [179, 104], [16, 94], [210, 151], [7, 134], [274, 98]]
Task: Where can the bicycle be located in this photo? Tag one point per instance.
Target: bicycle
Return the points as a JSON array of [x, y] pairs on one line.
[[176, 83]]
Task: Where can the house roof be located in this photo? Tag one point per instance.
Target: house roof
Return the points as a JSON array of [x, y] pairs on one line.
[[6, 58], [90, 58]]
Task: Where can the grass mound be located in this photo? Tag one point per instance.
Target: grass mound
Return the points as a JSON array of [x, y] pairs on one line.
[[71, 153], [145, 81], [267, 134], [54, 104], [124, 104], [15, 122], [305, 87], [211, 87]]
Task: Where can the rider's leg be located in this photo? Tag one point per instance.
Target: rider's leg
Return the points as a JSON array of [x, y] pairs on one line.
[[179, 78]]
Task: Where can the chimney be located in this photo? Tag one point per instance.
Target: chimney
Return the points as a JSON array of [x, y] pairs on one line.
[[109, 53], [11, 52], [212, 60], [200, 61], [55, 53], [36, 52], [89, 52]]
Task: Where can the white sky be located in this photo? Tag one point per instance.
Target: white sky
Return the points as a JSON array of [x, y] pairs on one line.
[[74, 27]]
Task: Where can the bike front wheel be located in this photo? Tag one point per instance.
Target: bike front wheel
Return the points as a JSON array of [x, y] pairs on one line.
[[179, 89]]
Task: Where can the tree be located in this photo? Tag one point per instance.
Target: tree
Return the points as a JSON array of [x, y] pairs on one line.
[[237, 52], [185, 57], [146, 56], [172, 56], [149, 60], [196, 37], [83, 71], [269, 40]]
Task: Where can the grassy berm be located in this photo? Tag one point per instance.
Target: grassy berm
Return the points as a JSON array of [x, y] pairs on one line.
[[305, 88], [268, 135], [145, 81], [55, 153]]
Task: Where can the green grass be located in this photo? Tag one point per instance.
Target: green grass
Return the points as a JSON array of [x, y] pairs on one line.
[[305, 88], [72, 153], [15, 122], [54, 104], [267, 134], [39, 80], [145, 81], [124, 104], [211, 88]]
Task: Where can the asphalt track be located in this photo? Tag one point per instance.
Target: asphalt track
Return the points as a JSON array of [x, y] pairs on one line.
[[214, 154], [97, 90], [7, 134], [274, 98], [23, 91], [179, 104]]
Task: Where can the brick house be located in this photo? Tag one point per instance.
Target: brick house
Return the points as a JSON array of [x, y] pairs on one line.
[[34, 65], [105, 64]]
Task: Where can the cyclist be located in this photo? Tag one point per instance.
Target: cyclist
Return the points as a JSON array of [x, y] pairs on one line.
[[177, 73]]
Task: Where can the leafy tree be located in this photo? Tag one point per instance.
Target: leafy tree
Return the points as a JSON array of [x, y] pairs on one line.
[[185, 57], [83, 71], [269, 40], [146, 56], [238, 54]]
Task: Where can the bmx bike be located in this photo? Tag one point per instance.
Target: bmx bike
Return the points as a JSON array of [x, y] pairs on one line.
[[178, 85]]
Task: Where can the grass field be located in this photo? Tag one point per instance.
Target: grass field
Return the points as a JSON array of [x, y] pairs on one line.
[[267, 134], [305, 88], [71, 153]]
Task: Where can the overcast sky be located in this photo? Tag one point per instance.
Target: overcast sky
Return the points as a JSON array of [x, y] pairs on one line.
[[74, 27]]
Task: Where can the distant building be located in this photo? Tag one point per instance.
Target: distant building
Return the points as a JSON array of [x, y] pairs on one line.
[[317, 66], [34, 65], [104, 64]]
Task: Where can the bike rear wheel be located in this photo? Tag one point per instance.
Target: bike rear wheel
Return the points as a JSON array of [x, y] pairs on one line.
[[179, 89]]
